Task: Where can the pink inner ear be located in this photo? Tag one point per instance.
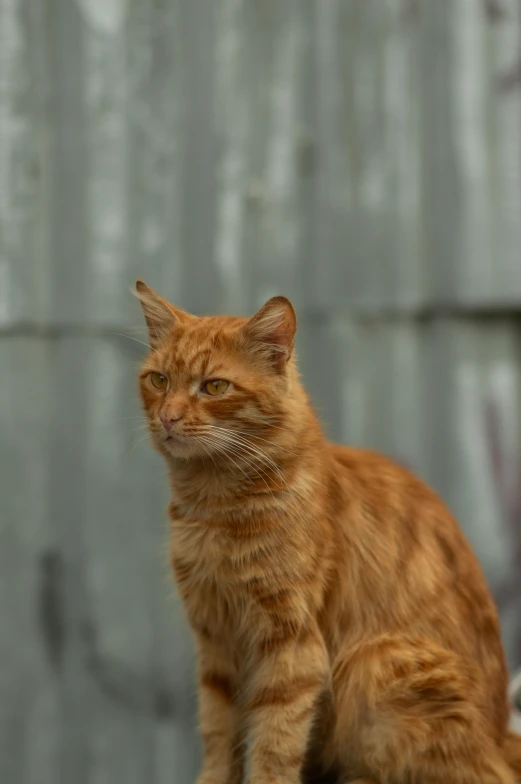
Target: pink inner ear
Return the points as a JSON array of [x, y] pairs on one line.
[[281, 336], [271, 331]]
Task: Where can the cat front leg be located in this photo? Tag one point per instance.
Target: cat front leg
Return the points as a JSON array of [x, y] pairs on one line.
[[219, 716], [291, 673]]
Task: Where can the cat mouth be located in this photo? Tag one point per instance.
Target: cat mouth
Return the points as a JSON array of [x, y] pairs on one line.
[[173, 439], [175, 442], [173, 445]]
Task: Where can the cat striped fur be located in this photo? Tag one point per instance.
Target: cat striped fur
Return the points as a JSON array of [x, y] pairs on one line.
[[341, 620]]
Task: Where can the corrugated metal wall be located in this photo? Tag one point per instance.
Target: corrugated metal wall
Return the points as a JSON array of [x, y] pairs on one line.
[[362, 157]]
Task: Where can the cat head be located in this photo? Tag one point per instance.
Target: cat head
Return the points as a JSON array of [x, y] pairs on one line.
[[208, 380]]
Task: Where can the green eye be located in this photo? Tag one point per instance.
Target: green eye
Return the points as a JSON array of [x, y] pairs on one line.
[[158, 381], [216, 387]]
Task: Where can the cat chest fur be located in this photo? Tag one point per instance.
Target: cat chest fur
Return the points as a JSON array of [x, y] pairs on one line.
[[234, 579]]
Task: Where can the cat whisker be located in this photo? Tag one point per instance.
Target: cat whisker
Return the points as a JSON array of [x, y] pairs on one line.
[[265, 423], [138, 442], [138, 428], [254, 435], [260, 455], [237, 441], [227, 454], [208, 452], [254, 450], [237, 452], [129, 337]]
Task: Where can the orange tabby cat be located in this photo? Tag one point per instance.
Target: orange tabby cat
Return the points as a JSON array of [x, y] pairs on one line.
[[342, 622]]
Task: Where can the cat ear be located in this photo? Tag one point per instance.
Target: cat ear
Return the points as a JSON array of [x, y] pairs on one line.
[[271, 331], [160, 315]]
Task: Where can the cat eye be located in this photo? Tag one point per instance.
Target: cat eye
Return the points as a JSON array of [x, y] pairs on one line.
[[216, 387], [158, 381]]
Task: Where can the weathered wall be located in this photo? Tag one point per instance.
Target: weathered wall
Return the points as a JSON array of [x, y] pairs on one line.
[[362, 157]]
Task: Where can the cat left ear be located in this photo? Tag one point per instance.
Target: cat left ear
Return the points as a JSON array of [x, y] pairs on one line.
[[159, 314], [271, 331]]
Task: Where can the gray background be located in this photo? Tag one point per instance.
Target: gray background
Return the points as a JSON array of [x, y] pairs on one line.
[[360, 156]]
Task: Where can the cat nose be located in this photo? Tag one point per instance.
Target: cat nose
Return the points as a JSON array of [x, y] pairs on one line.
[[169, 419]]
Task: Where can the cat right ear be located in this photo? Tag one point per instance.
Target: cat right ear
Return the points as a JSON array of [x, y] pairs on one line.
[[160, 315], [271, 332]]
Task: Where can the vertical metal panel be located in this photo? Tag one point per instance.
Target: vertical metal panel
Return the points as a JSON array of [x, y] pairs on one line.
[[485, 105], [470, 109], [441, 197], [70, 250], [199, 207], [277, 139], [350, 154], [235, 120], [66, 501], [105, 95], [362, 157], [24, 168], [31, 645], [402, 122], [364, 252], [318, 237], [367, 208], [505, 155], [156, 46]]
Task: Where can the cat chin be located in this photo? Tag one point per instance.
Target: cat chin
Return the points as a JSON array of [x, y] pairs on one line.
[[175, 447], [178, 447]]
